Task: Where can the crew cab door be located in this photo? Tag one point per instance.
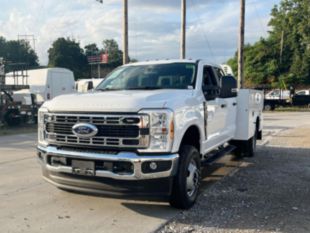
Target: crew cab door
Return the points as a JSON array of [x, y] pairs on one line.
[[229, 96], [216, 108]]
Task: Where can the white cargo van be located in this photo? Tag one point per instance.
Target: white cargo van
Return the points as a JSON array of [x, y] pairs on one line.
[[46, 83]]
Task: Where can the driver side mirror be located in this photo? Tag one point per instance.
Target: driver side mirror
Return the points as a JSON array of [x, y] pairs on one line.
[[211, 92]]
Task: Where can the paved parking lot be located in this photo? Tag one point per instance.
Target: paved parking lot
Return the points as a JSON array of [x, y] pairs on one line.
[[267, 193], [29, 204]]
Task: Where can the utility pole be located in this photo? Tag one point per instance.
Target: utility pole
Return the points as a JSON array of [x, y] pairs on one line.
[[99, 70], [183, 29], [2, 72], [125, 32], [281, 46], [241, 46]]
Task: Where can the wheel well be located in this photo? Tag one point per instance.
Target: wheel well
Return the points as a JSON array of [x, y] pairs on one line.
[[259, 133], [192, 137], [257, 123]]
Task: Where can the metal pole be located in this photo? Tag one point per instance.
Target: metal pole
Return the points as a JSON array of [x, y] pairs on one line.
[[98, 70], [241, 46], [281, 46], [183, 30], [91, 71], [125, 32]]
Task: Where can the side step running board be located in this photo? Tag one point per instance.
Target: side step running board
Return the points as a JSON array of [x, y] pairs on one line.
[[213, 158]]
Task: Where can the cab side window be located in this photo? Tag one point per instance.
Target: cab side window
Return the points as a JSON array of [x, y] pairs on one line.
[[209, 78], [210, 84], [220, 74]]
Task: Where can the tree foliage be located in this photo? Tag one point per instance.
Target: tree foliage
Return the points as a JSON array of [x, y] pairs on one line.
[[68, 54], [110, 47], [263, 61], [91, 49], [14, 51], [115, 54]]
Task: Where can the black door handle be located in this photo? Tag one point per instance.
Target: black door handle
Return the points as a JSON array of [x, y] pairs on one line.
[[234, 104], [223, 106]]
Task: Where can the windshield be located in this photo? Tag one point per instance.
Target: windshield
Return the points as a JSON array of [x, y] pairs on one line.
[[159, 76]]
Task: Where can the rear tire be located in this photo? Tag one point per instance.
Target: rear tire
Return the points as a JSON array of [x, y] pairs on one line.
[[238, 152], [245, 148], [12, 117], [251, 146], [187, 181], [268, 107]]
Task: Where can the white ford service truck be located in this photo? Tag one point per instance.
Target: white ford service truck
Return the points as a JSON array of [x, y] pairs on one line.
[[147, 129]]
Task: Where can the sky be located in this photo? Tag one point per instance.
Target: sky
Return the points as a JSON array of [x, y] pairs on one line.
[[154, 25]]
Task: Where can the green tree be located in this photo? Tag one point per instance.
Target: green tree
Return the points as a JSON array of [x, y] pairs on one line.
[[91, 49], [115, 54], [68, 54], [263, 64], [14, 51]]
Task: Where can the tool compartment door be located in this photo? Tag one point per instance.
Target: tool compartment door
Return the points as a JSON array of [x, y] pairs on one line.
[[249, 109]]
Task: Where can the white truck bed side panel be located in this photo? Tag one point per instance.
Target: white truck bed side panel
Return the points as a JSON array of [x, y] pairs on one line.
[[249, 109]]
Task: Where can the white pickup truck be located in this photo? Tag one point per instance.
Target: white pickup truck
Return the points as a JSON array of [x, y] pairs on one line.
[[147, 129]]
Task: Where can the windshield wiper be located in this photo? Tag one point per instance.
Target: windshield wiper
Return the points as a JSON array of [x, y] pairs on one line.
[[109, 89], [145, 88], [132, 88]]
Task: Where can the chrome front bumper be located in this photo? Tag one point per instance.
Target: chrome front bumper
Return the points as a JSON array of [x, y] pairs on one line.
[[136, 161]]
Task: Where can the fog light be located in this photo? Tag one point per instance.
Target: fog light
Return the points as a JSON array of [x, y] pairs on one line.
[[153, 165]]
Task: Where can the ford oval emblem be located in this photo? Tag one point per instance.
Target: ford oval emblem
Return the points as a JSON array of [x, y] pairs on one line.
[[84, 130]]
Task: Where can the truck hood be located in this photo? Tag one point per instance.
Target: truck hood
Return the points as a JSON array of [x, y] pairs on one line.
[[116, 101]]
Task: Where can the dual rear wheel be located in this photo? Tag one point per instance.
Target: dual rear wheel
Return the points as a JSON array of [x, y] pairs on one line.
[[246, 148]]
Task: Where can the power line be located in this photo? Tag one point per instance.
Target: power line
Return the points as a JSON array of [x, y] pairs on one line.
[[258, 16], [204, 34], [125, 30]]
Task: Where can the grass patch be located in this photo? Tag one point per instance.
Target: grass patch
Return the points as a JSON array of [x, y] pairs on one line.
[[292, 109]]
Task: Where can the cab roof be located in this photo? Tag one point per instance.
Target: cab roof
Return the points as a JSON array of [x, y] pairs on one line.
[[171, 61]]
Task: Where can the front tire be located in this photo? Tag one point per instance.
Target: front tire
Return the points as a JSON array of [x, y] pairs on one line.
[[187, 181]]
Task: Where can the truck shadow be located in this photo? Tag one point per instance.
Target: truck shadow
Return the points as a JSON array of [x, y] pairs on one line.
[[269, 192], [210, 175]]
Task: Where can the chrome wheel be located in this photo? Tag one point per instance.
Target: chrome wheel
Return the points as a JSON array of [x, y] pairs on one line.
[[192, 179]]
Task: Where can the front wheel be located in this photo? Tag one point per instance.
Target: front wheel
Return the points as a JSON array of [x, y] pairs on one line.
[[187, 181]]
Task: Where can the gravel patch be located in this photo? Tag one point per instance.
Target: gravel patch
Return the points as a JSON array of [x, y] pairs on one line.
[[269, 193], [293, 138]]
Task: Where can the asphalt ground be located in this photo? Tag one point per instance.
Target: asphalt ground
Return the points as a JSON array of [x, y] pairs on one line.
[[267, 193], [264, 193]]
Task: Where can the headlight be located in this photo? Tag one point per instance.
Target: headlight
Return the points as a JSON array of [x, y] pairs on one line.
[[42, 114], [161, 130]]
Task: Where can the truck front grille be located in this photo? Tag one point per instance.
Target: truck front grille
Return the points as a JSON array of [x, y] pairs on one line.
[[130, 131], [113, 130]]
